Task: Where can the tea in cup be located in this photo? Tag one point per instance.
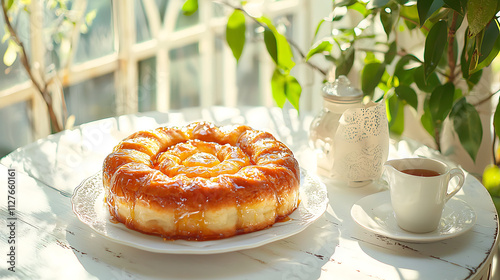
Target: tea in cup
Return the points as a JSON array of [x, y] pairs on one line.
[[419, 191]]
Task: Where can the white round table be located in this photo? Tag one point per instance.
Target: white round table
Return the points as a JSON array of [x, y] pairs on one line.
[[51, 243]]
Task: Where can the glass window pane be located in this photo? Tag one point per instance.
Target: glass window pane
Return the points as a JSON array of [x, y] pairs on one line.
[[99, 40], [162, 8], [92, 100], [218, 70], [218, 10], [141, 24], [184, 77], [247, 78], [184, 21], [14, 74], [147, 85], [15, 127]]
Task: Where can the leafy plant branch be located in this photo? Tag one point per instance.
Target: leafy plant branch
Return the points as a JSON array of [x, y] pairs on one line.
[[394, 71], [262, 23]]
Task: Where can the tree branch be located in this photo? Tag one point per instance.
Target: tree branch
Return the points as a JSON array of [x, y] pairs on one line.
[[291, 42], [42, 89], [451, 53], [414, 22], [485, 99]]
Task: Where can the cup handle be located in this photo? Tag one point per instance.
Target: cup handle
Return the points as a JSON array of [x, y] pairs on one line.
[[460, 174]]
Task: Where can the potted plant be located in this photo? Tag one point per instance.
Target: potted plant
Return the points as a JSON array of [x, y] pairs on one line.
[[460, 39]]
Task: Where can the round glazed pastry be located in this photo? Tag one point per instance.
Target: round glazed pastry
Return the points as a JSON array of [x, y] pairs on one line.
[[200, 182]]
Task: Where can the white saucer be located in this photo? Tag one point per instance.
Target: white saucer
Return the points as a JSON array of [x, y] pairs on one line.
[[374, 213]]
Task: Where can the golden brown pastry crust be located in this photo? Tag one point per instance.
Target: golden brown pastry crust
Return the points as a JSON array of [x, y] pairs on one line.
[[200, 181]]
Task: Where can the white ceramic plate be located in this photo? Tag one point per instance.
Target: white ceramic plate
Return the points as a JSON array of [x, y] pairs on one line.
[[89, 207], [374, 213]]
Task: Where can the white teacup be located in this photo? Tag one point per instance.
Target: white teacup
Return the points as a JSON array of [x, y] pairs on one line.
[[418, 200]]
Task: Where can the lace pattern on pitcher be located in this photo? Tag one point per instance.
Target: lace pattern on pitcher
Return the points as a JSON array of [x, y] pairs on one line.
[[363, 123], [362, 143]]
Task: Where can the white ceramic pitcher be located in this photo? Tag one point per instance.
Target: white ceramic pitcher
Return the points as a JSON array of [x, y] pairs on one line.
[[418, 201]]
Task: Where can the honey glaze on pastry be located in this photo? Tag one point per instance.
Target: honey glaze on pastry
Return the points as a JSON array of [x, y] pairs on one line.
[[200, 182]]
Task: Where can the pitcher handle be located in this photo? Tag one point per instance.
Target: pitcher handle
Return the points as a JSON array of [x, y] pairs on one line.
[[456, 172]]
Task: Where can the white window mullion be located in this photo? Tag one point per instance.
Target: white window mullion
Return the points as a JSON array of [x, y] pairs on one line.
[[153, 16], [163, 80], [159, 35], [266, 69], [40, 116], [302, 37], [229, 78], [207, 54], [126, 79], [165, 37]]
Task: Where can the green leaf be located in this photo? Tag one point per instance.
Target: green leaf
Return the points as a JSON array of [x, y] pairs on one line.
[[324, 45], [278, 88], [345, 62], [360, 8], [285, 87], [9, 4], [458, 94], [293, 91], [10, 54], [474, 58], [435, 44], [465, 59], [407, 94], [458, 5], [271, 44], [343, 3], [285, 55], [391, 53], [396, 115], [426, 8], [386, 83], [489, 47], [410, 14], [496, 120], [474, 79], [426, 120], [370, 77], [425, 85], [235, 33], [405, 75], [190, 7], [283, 52], [318, 27], [370, 58], [388, 17], [467, 125], [376, 4], [441, 102], [479, 14]]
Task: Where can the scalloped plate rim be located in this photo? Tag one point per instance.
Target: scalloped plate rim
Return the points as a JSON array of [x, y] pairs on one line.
[[239, 242]]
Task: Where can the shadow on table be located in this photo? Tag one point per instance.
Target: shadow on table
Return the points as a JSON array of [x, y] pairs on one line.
[[402, 256], [298, 257]]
